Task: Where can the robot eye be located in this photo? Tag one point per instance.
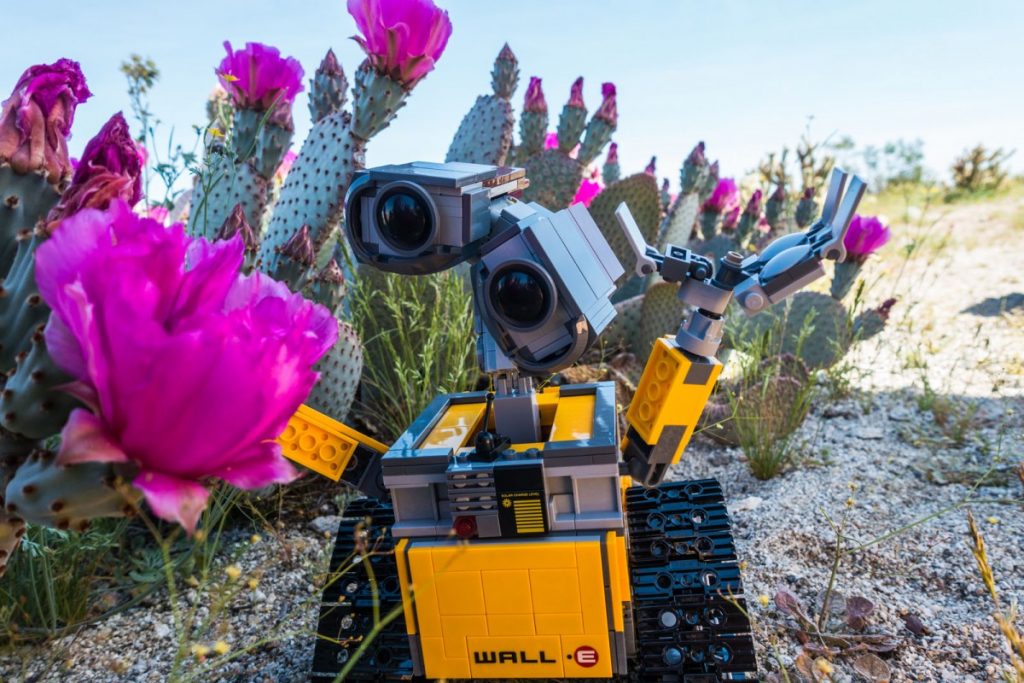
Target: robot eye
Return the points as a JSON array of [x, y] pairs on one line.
[[404, 219], [521, 296]]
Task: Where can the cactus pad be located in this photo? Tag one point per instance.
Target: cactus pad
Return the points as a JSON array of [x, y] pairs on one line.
[[22, 311], [13, 452], [715, 248], [340, 371], [68, 496], [679, 222], [640, 192], [485, 134], [232, 184], [24, 199], [662, 314], [554, 179], [31, 404], [812, 326], [623, 328]]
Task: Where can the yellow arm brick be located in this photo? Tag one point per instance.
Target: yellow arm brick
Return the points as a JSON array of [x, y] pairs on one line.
[[321, 443], [672, 392]]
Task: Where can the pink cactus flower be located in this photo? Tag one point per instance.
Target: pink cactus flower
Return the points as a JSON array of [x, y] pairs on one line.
[[589, 188], [724, 197], [286, 165], [613, 154], [576, 94], [551, 142], [534, 100], [189, 370], [753, 207], [866, 235], [731, 218], [110, 169], [36, 119], [608, 111], [258, 77], [158, 213], [402, 39], [652, 166]]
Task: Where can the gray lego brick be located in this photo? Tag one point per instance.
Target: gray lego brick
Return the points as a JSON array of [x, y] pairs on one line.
[[428, 172], [588, 228]]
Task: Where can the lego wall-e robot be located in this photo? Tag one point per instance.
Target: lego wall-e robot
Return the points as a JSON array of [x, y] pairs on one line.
[[521, 534]]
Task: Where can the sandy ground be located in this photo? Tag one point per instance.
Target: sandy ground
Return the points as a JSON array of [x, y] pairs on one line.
[[878, 457]]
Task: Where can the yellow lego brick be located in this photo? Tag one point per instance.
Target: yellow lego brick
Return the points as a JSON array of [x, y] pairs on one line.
[[455, 426], [481, 556], [556, 591], [428, 615], [672, 392], [507, 591], [459, 593], [510, 625], [591, 587], [516, 657], [404, 585], [455, 631], [559, 624], [587, 656], [574, 418], [618, 576], [322, 444], [437, 665], [547, 403]]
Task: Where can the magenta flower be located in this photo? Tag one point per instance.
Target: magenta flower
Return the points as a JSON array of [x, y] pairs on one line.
[[865, 236], [36, 119], [190, 371], [608, 111], [731, 218], [401, 38], [753, 208], [576, 94], [110, 169], [534, 100], [259, 78], [724, 197], [159, 213], [589, 188], [286, 165]]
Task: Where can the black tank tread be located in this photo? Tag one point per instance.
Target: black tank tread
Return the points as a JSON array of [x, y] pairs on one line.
[[687, 592], [346, 613]]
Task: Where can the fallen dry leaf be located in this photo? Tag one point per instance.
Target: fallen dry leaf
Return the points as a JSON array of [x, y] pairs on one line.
[[790, 604], [915, 625], [858, 609], [872, 668]]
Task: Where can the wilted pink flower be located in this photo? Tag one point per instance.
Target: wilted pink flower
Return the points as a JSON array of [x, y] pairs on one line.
[[865, 236], [731, 218], [696, 156], [259, 78], [286, 165], [534, 100], [36, 119], [753, 207], [608, 111], [589, 188], [110, 168], [652, 166], [724, 197], [613, 154], [190, 371], [402, 39], [576, 94]]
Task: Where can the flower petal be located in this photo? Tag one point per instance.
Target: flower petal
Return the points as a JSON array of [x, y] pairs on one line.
[[173, 499], [85, 439], [267, 466]]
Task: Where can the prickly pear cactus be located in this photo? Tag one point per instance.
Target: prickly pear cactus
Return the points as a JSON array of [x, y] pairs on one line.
[[22, 310], [681, 217], [14, 450], [640, 192], [340, 371], [228, 183], [31, 403], [716, 247], [661, 314], [24, 200], [68, 496], [328, 90], [813, 326], [622, 331], [485, 134]]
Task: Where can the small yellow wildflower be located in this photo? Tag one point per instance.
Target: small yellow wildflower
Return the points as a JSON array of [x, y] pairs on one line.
[[216, 132], [200, 535], [255, 538], [221, 648], [229, 78], [233, 571], [823, 666], [850, 502], [253, 583], [200, 651], [853, 485], [992, 520], [764, 599], [192, 581]]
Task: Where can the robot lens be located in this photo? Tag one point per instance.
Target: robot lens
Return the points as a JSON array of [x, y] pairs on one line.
[[404, 219], [520, 297]]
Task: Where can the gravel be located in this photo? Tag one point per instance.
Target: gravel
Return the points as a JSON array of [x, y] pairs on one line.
[[878, 456]]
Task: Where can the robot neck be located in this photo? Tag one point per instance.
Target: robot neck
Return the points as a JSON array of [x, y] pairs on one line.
[[516, 414]]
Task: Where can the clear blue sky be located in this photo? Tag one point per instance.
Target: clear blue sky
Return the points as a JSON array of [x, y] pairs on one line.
[[743, 76]]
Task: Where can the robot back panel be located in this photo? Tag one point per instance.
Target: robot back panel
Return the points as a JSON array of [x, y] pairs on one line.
[[541, 280]]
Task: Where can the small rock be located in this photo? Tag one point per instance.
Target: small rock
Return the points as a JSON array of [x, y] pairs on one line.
[[161, 630], [327, 524], [747, 504], [872, 433]]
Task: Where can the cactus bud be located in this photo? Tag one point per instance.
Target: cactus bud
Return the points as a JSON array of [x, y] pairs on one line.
[[693, 170], [328, 90], [505, 75], [806, 208]]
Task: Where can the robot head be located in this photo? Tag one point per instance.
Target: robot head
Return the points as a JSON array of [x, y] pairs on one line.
[[543, 286], [424, 217]]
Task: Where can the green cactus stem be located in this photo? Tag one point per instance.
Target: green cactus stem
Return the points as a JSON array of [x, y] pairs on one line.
[[774, 209], [68, 496], [14, 450], [225, 185], [22, 311], [600, 127], [33, 403], [376, 99], [662, 314], [485, 134], [340, 371], [328, 89], [611, 172], [533, 123], [24, 200], [806, 209], [573, 119], [843, 278]]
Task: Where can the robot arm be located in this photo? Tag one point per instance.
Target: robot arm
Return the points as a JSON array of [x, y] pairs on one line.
[[681, 371]]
